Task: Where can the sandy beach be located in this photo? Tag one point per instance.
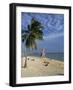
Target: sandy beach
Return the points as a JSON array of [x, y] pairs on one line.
[[37, 66]]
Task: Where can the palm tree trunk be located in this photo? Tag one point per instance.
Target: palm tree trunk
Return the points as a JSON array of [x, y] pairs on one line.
[[25, 63]]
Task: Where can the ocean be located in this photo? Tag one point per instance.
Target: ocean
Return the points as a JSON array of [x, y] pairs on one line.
[[56, 56]]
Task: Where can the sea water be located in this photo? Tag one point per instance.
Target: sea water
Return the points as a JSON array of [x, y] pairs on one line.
[[56, 56]]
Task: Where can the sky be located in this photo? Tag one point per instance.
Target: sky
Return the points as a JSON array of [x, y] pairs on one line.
[[53, 30]]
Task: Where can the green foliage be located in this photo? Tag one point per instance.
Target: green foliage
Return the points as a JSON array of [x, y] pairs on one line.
[[34, 32]]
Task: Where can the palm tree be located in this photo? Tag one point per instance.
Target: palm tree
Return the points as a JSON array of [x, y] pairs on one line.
[[34, 32]]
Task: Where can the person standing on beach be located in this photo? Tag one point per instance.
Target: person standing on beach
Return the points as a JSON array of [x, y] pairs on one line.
[[43, 53]]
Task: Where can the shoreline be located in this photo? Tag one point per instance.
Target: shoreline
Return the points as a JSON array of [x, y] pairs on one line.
[[62, 60], [38, 66]]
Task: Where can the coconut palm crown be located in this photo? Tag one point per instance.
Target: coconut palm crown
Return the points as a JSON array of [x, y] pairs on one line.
[[34, 32]]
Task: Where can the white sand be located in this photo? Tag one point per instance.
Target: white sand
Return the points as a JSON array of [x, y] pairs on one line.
[[36, 67]]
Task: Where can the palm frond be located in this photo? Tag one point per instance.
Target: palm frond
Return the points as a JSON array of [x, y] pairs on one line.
[[30, 43], [33, 32]]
